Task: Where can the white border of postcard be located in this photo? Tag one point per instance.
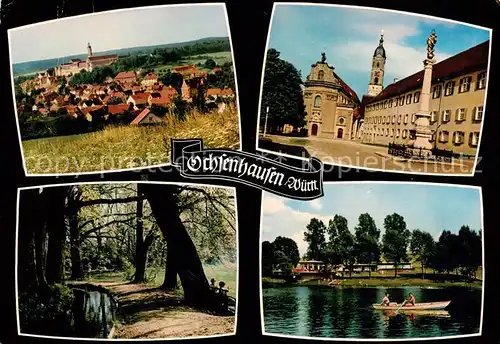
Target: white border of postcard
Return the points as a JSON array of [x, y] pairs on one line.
[[378, 339], [476, 161], [124, 339], [102, 13]]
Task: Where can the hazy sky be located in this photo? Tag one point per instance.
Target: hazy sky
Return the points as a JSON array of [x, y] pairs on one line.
[[117, 29], [432, 208], [349, 37]]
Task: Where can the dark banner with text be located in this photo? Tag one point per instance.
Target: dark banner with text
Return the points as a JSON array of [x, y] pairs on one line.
[[250, 169]]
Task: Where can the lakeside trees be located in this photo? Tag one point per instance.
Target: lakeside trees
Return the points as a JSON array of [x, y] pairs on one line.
[[282, 254], [459, 253], [69, 232]]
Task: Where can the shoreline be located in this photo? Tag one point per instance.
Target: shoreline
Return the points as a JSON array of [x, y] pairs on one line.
[[355, 283], [136, 319]]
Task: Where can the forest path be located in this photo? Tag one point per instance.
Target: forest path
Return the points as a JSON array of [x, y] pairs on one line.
[[146, 312]]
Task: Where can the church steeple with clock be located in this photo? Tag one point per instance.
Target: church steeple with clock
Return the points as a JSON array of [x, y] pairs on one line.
[[378, 65]]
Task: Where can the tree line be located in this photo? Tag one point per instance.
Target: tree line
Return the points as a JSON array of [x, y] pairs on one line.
[[67, 231], [335, 244]]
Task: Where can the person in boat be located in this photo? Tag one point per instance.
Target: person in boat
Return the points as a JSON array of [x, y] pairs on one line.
[[410, 301], [385, 300]]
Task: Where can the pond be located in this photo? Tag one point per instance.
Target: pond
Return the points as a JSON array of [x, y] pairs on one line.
[[93, 313], [326, 312]]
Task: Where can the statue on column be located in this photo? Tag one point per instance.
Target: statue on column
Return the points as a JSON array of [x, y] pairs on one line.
[[431, 42]]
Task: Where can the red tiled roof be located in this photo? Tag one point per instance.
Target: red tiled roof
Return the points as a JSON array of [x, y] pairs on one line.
[[141, 116], [164, 101], [168, 92], [103, 57], [115, 109], [473, 59], [89, 109], [346, 88], [125, 75], [116, 94], [151, 76], [140, 98]]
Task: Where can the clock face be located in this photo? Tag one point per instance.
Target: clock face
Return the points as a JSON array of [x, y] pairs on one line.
[[377, 73]]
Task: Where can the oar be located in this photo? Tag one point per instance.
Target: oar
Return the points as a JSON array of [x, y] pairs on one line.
[[402, 304]]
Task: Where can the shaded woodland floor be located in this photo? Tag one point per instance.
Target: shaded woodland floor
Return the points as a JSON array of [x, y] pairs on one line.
[[146, 312]]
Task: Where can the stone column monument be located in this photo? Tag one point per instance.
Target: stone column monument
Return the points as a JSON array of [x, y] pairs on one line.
[[423, 132]]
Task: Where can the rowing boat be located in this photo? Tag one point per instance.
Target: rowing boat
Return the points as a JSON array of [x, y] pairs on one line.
[[439, 313], [417, 306]]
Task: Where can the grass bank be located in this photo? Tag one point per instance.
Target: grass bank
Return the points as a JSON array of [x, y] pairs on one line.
[[126, 147], [222, 272], [380, 282], [146, 312]]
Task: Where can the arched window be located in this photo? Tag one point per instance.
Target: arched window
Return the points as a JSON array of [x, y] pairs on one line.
[[317, 101], [321, 75], [341, 120], [376, 80], [378, 64]]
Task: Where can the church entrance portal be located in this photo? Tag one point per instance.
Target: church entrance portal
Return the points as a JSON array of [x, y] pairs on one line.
[[340, 133], [314, 130]]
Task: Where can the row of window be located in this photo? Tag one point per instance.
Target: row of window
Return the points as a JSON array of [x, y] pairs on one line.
[[460, 116], [400, 101], [341, 99], [449, 89], [464, 85], [458, 137]]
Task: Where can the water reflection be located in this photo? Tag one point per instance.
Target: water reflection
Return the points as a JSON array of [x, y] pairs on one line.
[[93, 313], [316, 311]]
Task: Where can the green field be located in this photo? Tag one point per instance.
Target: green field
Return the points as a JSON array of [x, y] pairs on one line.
[[219, 58], [126, 147]]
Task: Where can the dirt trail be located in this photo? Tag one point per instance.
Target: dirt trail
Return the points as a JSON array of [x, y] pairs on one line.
[[145, 312]]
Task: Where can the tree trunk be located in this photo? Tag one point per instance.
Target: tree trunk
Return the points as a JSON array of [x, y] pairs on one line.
[[395, 270], [74, 230], [163, 201], [140, 254], [170, 281], [423, 273], [369, 272], [56, 225], [41, 252], [29, 220]]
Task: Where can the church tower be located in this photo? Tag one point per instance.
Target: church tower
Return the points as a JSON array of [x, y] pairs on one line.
[[378, 65], [89, 50]]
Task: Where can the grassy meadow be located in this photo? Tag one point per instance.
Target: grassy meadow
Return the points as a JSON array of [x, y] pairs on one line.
[[125, 147], [220, 58], [222, 272]]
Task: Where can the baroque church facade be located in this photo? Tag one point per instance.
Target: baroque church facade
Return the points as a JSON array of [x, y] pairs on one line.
[[331, 105], [77, 65]]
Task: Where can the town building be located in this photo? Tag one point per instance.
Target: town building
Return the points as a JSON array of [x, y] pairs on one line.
[[75, 66], [149, 80], [126, 77], [458, 90], [189, 71], [146, 117], [330, 103]]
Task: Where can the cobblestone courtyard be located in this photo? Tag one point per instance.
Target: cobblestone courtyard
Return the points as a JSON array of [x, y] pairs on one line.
[[355, 154]]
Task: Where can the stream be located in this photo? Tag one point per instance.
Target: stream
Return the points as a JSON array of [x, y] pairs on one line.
[[93, 313]]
